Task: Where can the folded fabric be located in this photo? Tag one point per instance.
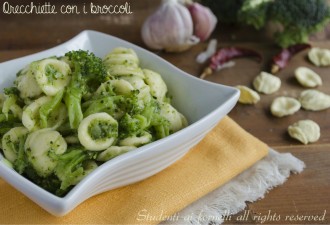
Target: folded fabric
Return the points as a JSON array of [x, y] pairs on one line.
[[224, 153], [251, 185]]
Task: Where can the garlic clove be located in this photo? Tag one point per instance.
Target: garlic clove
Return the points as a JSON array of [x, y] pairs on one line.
[[169, 28], [204, 20]]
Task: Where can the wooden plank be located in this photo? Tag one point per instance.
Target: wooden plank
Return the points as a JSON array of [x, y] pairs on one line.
[[306, 194]]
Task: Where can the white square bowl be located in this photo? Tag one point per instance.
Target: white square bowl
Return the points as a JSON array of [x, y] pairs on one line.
[[203, 103]]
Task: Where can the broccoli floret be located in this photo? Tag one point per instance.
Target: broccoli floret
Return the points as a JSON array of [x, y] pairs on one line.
[[88, 72], [254, 12], [299, 19], [158, 124], [132, 125], [11, 91]]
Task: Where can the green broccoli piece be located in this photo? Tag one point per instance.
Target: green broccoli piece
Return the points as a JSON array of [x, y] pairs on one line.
[[73, 166], [48, 108], [254, 12], [11, 102], [50, 183], [158, 124], [88, 72], [7, 123], [132, 125], [11, 91], [299, 19], [105, 104]]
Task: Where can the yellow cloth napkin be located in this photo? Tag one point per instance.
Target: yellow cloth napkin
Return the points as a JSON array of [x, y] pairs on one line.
[[224, 153]]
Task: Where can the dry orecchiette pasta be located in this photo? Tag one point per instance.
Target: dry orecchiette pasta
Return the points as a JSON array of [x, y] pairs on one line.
[[307, 77], [266, 83], [314, 100], [248, 96], [284, 106], [305, 131], [319, 56]]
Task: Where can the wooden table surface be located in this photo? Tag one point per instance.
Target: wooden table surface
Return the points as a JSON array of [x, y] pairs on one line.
[[304, 194]]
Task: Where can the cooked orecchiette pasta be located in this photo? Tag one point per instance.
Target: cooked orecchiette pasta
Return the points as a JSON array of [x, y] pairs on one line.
[[79, 111], [51, 74], [177, 121], [157, 86], [98, 131], [31, 115], [12, 141], [113, 152], [10, 105], [135, 140], [123, 70], [120, 87], [42, 147], [27, 85], [122, 56]]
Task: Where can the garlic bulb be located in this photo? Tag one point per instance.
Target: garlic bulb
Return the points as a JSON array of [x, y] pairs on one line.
[[169, 28], [204, 20]]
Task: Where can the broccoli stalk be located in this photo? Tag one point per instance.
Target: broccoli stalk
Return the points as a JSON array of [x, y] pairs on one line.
[[46, 109], [72, 167], [88, 73]]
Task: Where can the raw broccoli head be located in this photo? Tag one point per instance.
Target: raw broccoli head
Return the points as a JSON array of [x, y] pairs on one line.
[[254, 12], [299, 19]]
